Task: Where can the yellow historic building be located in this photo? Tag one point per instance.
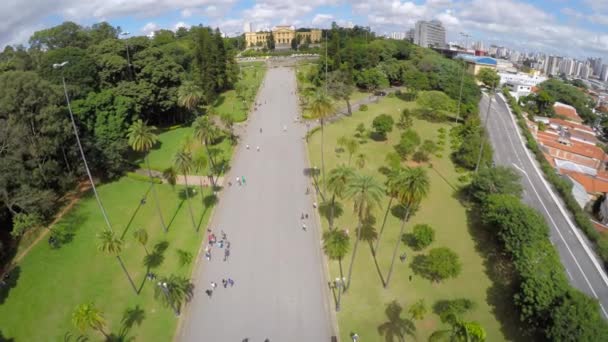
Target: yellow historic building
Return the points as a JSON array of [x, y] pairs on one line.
[[282, 36]]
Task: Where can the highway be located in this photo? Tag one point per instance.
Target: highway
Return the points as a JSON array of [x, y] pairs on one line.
[[582, 266]]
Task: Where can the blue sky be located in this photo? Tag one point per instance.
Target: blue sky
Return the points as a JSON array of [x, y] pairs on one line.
[[568, 27]]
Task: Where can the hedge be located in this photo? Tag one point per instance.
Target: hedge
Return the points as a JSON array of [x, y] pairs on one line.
[[142, 178], [561, 185]]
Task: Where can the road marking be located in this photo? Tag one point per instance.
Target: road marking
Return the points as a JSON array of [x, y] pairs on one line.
[[558, 231], [569, 275], [557, 202]]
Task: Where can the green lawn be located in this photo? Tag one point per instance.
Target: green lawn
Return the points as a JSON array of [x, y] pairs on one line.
[[171, 140], [252, 75], [364, 305], [52, 282]]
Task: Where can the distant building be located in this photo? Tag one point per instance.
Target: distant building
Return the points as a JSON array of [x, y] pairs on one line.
[[476, 63], [604, 73], [521, 78], [410, 34], [282, 36], [397, 35], [247, 27], [429, 34]]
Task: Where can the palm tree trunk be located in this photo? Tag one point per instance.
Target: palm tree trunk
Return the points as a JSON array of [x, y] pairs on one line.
[[331, 212], [348, 107], [352, 259], [390, 271], [390, 201], [104, 333], [188, 199], [124, 268], [212, 164], [160, 214]]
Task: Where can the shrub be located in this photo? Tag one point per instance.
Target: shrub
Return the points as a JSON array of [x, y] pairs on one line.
[[408, 143], [439, 264], [422, 236], [363, 107], [447, 310], [495, 180], [382, 125], [420, 156], [142, 178]]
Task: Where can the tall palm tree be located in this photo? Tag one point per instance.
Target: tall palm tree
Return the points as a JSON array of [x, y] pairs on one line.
[[174, 291], [335, 245], [141, 139], [336, 183], [200, 164], [110, 244], [88, 316], [190, 95], [141, 235], [413, 185], [183, 165], [366, 193], [206, 132], [391, 191], [321, 107]]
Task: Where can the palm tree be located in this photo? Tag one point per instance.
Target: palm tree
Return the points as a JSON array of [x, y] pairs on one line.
[[321, 107], [391, 190], [206, 132], [174, 291], [335, 245], [141, 235], [141, 139], [110, 244], [460, 331], [366, 192], [413, 185], [189, 95], [200, 164], [88, 316], [336, 183], [350, 144], [183, 164], [170, 175]]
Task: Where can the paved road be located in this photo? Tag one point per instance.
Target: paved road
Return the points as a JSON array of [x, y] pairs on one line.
[[582, 267], [279, 290]]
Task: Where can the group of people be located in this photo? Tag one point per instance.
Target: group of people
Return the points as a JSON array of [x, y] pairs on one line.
[[212, 241], [213, 285]]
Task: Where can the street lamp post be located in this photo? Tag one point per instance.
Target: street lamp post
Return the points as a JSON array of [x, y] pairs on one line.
[[84, 159], [466, 36], [128, 56]]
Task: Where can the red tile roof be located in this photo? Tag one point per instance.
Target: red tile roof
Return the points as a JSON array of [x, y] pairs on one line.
[[567, 111], [590, 151], [571, 124], [592, 185]]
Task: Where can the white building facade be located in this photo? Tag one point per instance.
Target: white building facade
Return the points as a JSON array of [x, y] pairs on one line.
[[429, 34]]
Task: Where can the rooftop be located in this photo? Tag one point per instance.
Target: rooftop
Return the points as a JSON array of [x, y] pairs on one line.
[[477, 59], [567, 111], [586, 150], [592, 185]]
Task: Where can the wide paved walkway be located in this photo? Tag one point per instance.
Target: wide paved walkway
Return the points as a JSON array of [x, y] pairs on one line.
[[279, 290]]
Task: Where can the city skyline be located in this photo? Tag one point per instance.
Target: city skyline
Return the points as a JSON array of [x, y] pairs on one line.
[[527, 26]]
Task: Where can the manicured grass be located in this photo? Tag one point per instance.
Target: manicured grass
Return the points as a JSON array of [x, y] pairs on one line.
[[171, 140], [52, 282], [252, 75], [365, 303]]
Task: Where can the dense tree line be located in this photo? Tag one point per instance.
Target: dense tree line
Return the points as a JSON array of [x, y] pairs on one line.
[[111, 83], [547, 304]]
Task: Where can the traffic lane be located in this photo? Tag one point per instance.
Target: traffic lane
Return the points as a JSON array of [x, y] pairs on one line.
[[578, 265]]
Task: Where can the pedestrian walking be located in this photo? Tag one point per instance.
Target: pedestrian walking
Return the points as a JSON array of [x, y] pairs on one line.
[[402, 257], [302, 217], [243, 180], [306, 216], [247, 146], [227, 244], [213, 285], [304, 226], [260, 130], [238, 180], [231, 282], [284, 128], [258, 148], [209, 293], [226, 254], [355, 337], [224, 282]]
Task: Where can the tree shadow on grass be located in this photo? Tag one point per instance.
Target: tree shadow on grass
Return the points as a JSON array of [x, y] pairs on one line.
[[68, 337], [142, 202], [208, 202], [8, 282], [500, 271], [369, 234], [157, 257], [184, 193], [179, 206], [64, 232], [131, 317], [396, 327]]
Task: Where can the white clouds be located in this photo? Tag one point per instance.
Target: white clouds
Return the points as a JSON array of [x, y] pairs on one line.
[[150, 28], [180, 24], [322, 19]]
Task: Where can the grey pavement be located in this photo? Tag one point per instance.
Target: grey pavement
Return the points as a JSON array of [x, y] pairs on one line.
[[280, 286], [582, 266]]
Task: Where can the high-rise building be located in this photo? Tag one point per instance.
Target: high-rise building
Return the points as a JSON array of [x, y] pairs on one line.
[[398, 35], [604, 73], [429, 34], [551, 66], [596, 65], [410, 34], [478, 46], [586, 70]]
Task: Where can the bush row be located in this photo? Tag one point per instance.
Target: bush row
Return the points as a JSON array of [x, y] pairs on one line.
[[562, 186]]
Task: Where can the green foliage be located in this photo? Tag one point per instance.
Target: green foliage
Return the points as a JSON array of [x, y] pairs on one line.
[[407, 143], [68, 34], [495, 180], [363, 107], [406, 119], [88, 316], [440, 264], [422, 236], [382, 125], [22, 222], [177, 291], [144, 178], [371, 79], [489, 77], [557, 90], [185, 257], [449, 310], [434, 106], [336, 244], [467, 153], [418, 310], [576, 317]]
